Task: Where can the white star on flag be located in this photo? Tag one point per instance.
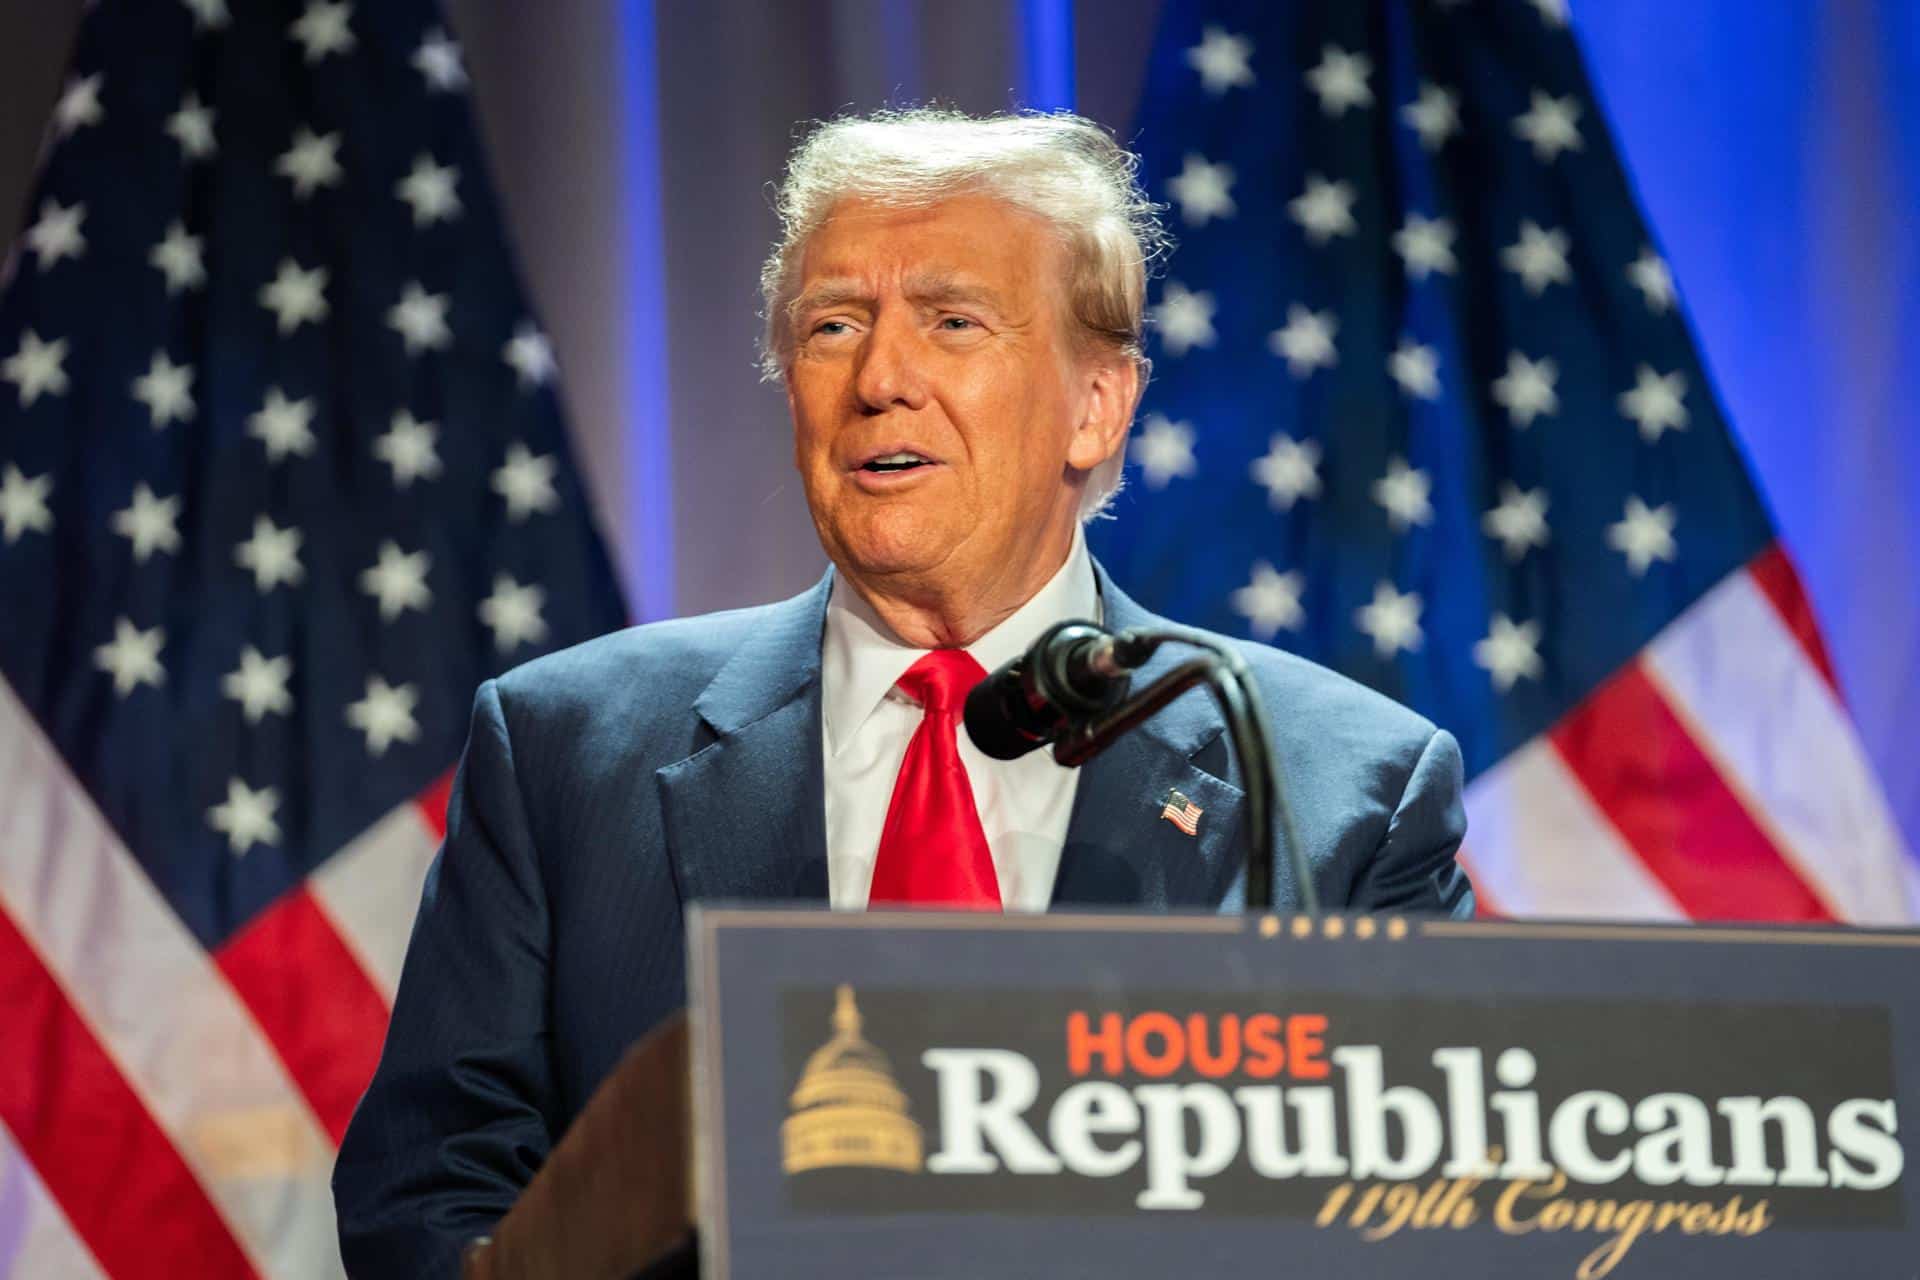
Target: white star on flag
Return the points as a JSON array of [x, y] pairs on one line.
[[1163, 450], [259, 685], [1550, 124], [429, 191], [1434, 115], [1289, 471], [1510, 652], [296, 295], [1340, 80], [1201, 189], [1392, 619], [322, 29], [1221, 59], [1538, 257], [530, 355], [271, 555], [57, 234], [1306, 341], [132, 657], [438, 62], [1644, 535], [283, 425], [420, 318], [1416, 367], [1426, 244], [246, 817], [79, 105], [1324, 209], [1525, 390], [178, 259], [23, 504], [1270, 602], [1184, 318], [208, 15], [1650, 275], [165, 389], [35, 368], [148, 523], [312, 162], [1519, 521], [512, 613], [1406, 493], [192, 127], [385, 715], [408, 448], [525, 481], [398, 580], [1656, 402]]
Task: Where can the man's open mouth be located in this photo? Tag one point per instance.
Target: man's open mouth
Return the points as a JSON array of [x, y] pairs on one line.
[[891, 462]]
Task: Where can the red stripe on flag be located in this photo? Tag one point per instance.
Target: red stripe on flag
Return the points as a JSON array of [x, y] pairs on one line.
[[1773, 572], [320, 1011], [433, 804], [1661, 792], [1484, 907], [101, 1156]]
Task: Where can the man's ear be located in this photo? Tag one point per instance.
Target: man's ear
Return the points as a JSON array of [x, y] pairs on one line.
[[1111, 390]]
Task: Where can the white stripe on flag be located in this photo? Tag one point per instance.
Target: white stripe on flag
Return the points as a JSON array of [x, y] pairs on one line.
[[36, 1240], [1541, 848], [1787, 747], [181, 1037], [370, 891]]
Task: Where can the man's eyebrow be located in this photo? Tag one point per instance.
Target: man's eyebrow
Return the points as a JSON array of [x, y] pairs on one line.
[[830, 293], [920, 289], [948, 288]]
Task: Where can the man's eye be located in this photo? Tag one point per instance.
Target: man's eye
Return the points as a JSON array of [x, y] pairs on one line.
[[831, 328], [955, 324]]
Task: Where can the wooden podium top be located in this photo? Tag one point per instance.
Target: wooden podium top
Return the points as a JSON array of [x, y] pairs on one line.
[[616, 1196]]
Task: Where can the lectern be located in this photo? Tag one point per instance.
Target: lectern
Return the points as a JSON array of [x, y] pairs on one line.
[[947, 1096]]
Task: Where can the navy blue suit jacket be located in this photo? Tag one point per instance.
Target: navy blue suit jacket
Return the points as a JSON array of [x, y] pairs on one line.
[[605, 787]]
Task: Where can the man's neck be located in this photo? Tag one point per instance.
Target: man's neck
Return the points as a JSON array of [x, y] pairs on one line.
[[945, 615]]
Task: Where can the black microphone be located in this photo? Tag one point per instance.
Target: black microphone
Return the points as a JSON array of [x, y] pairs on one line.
[[1073, 673]]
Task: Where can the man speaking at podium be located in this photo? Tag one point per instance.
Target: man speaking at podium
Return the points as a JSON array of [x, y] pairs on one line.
[[955, 312]]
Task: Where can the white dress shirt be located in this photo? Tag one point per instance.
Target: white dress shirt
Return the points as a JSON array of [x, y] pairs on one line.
[[1024, 804]]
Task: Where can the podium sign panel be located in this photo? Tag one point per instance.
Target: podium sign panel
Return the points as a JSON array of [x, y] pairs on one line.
[[1076, 1095]]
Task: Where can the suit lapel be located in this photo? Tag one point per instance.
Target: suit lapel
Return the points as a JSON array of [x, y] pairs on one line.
[[744, 815], [1119, 850], [745, 818]]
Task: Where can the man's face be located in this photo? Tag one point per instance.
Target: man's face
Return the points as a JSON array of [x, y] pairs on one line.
[[942, 420]]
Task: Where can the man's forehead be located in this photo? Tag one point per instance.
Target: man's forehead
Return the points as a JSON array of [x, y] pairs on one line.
[[965, 243]]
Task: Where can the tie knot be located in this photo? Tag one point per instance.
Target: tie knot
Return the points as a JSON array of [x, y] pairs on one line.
[[941, 681]]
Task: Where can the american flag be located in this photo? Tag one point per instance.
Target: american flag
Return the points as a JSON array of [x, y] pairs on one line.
[[1426, 410], [1182, 812], [283, 477]]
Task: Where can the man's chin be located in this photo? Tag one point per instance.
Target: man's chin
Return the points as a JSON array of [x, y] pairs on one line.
[[879, 564], [895, 555]]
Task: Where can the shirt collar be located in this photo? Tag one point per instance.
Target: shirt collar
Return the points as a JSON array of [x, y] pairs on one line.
[[861, 658]]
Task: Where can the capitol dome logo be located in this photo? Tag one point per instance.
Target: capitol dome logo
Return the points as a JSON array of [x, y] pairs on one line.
[[847, 1112]]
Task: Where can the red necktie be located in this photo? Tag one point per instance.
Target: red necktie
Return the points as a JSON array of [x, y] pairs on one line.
[[933, 850]]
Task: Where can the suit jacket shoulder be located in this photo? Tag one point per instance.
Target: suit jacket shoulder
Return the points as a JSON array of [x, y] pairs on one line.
[[1375, 788], [633, 673]]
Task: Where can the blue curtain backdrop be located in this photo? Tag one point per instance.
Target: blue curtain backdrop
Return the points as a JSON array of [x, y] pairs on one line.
[[1775, 151]]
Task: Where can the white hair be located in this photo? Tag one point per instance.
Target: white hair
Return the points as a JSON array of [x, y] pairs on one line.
[[1061, 167]]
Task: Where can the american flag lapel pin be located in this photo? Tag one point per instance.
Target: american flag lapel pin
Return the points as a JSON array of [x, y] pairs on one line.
[[1182, 813]]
